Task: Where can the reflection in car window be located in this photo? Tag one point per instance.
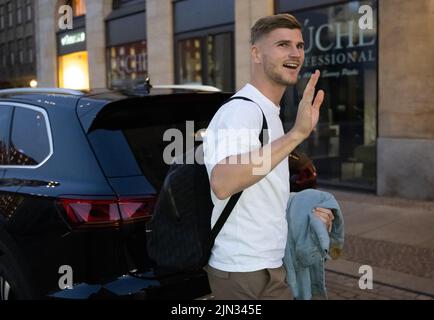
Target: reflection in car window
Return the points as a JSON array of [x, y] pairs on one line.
[[29, 140], [4, 128], [147, 146]]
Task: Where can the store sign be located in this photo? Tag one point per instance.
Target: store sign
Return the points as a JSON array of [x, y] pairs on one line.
[[73, 38], [128, 64], [334, 44], [336, 40]]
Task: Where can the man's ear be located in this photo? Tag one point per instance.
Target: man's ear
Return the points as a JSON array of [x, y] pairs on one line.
[[256, 54]]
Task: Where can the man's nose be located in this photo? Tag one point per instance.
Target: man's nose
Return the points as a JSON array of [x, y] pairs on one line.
[[294, 52]]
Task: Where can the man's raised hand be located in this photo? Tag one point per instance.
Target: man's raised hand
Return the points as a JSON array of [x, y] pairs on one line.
[[308, 109]]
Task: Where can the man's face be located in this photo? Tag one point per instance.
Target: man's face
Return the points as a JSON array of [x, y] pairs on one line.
[[281, 54]]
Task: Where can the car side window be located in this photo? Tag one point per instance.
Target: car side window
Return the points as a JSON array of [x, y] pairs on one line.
[[5, 118], [29, 143]]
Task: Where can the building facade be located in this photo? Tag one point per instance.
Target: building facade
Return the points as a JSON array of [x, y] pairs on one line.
[[375, 131], [17, 43]]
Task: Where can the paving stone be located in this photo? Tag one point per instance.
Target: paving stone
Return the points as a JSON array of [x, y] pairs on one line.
[[389, 255]]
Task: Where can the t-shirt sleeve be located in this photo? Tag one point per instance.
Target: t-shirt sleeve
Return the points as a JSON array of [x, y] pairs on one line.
[[234, 130]]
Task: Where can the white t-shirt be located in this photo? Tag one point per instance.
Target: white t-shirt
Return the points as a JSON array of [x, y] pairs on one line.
[[254, 236]]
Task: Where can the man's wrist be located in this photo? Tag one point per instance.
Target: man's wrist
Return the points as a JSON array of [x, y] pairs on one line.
[[296, 137]]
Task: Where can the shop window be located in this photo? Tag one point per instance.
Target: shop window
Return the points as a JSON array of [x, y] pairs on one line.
[[344, 145], [206, 60], [78, 7], [74, 71], [190, 61], [219, 66], [127, 65]]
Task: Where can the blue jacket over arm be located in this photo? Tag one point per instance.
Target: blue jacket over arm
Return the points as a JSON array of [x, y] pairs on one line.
[[309, 244]]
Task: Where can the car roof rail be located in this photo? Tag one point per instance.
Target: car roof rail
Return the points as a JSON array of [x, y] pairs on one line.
[[196, 87], [73, 92]]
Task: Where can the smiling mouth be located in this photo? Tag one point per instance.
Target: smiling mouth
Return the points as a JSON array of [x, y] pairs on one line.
[[291, 65]]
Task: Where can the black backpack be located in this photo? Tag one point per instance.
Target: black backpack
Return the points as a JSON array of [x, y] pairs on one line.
[[179, 234]]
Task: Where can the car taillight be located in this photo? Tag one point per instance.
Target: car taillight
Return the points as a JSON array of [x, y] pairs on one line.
[[137, 208], [91, 211], [107, 212]]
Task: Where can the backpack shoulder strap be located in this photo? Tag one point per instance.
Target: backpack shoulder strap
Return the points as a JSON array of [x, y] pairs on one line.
[[263, 134]]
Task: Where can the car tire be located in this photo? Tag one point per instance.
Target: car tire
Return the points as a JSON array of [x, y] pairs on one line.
[[13, 285]]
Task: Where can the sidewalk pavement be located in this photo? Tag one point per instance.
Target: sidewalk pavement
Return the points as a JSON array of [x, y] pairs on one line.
[[392, 235]]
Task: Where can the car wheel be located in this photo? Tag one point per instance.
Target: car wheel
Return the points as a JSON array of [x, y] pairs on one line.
[[12, 284]]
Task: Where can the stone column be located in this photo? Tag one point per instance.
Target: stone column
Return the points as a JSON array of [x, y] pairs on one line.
[[96, 12], [246, 14], [45, 41], [159, 19], [406, 95]]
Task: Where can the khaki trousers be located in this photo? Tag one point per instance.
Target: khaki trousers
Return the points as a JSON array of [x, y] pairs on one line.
[[266, 284]]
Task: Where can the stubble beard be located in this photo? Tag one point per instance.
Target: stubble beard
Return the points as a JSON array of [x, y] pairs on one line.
[[271, 70]]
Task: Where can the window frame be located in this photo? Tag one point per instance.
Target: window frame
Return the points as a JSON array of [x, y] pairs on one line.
[[30, 51], [15, 105], [21, 59], [3, 55], [28, 11], [19, 12], [2, 17], [10, 14], [11, 52]]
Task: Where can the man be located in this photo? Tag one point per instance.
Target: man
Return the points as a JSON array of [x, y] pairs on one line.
[[246, 260]]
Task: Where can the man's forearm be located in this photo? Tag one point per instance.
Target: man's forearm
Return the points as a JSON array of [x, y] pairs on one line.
[[231, 175]]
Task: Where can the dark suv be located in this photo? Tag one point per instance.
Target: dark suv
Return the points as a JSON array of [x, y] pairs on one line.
[[79, 176]]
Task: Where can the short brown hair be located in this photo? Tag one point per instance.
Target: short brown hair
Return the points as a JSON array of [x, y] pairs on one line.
[[267, 24]]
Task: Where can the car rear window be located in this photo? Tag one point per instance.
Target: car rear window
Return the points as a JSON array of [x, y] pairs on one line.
[[127, 135]]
